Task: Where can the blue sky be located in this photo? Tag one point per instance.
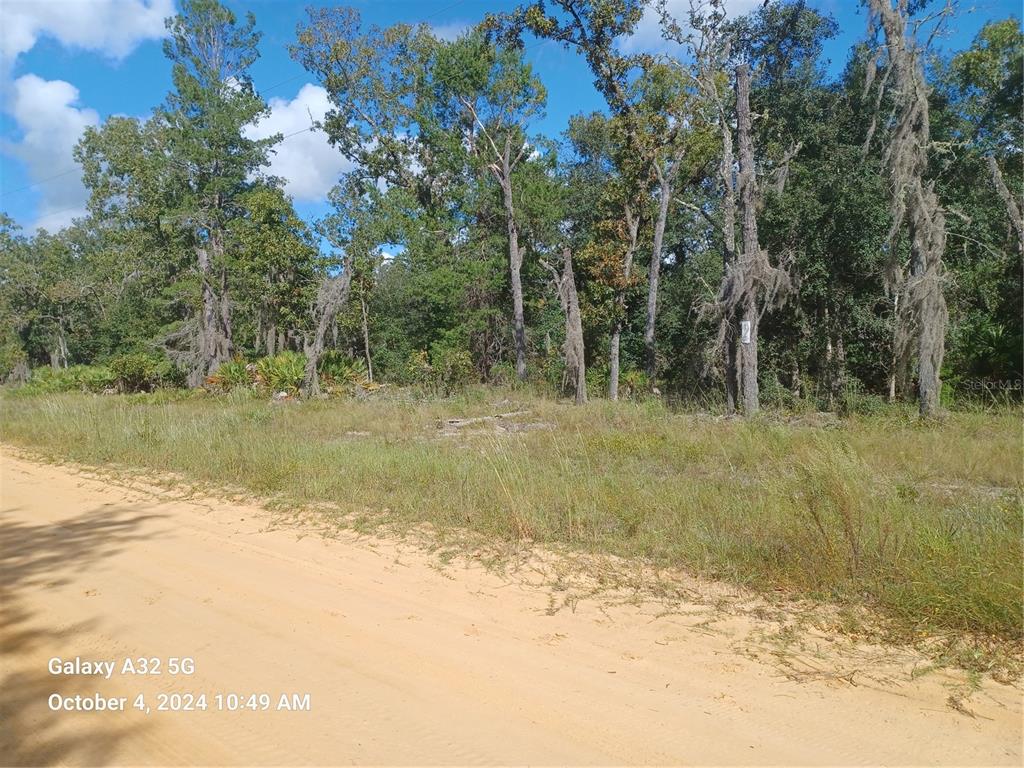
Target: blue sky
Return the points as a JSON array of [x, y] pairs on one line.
[[68, 64]]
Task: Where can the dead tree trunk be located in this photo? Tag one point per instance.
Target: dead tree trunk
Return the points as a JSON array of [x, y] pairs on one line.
[[750, 284], [632, 233], [576, 367], [572, 348], [502, 166], [1012, 208], [729, 342], [747, 350], [59, 354], [921, 325], [666, 178], [330, 300], [503, 172]]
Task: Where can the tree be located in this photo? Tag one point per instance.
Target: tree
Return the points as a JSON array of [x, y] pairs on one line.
[[278, 269], [499, 96], [573, 351], [176, 183], [665, 129], [608, 204], [595, 30], [988, 80], [203, 121], [923, 316]]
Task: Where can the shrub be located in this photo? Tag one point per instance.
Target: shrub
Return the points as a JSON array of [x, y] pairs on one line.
[[93, 378], [139, 372], [282, 373], [549, 371], [77, 378], [339, 370], [597, 380], [51, 380], [633, 384], [855, 401], [452, 369], [418, 369], [235, 374], [503, 374], [774, 394], [12, 359]]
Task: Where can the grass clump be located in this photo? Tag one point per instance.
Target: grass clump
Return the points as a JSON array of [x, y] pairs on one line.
[[920, 522]]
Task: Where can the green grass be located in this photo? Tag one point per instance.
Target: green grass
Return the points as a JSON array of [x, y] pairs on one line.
[[921, 522]]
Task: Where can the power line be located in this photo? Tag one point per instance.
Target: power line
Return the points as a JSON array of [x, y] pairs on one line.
[[456, 4], [41, 181]]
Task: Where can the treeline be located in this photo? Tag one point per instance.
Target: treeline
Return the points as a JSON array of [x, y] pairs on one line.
[[735, 225]]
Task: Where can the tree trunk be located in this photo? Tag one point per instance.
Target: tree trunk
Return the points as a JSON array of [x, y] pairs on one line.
[[207, 343], [1012, 208], [894, 371], [654, 270], [921, 325], [840, 375], [330, 301], [730, 345], [835, 362], [226, 350], [729, 353], [515, 261], [213, 345], [613, 361], [830, 400], [927, 244], [366, 337], [59, 354], [751, 249], [271, 340], [632, 231], [747, 353], [575, 365]]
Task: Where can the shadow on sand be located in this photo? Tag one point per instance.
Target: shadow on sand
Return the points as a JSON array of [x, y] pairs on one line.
[[35, 558]]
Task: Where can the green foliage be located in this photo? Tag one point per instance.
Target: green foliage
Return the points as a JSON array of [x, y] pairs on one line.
[[856, 401], [96, 379], [634, 384], [140, 372], [11, 356], [282, 373], [181, 200], [337, 369], [234, 374], [451, 368]]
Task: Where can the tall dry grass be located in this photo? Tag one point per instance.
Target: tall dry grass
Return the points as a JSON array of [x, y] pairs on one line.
[[921, 521]]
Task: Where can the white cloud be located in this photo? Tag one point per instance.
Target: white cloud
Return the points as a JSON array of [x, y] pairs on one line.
[[47, 113], [111, 27], [309, 165], [450, 30], [647, 36], [50, 124]]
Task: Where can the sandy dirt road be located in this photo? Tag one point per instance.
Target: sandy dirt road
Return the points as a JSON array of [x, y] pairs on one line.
[[404, 663]]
